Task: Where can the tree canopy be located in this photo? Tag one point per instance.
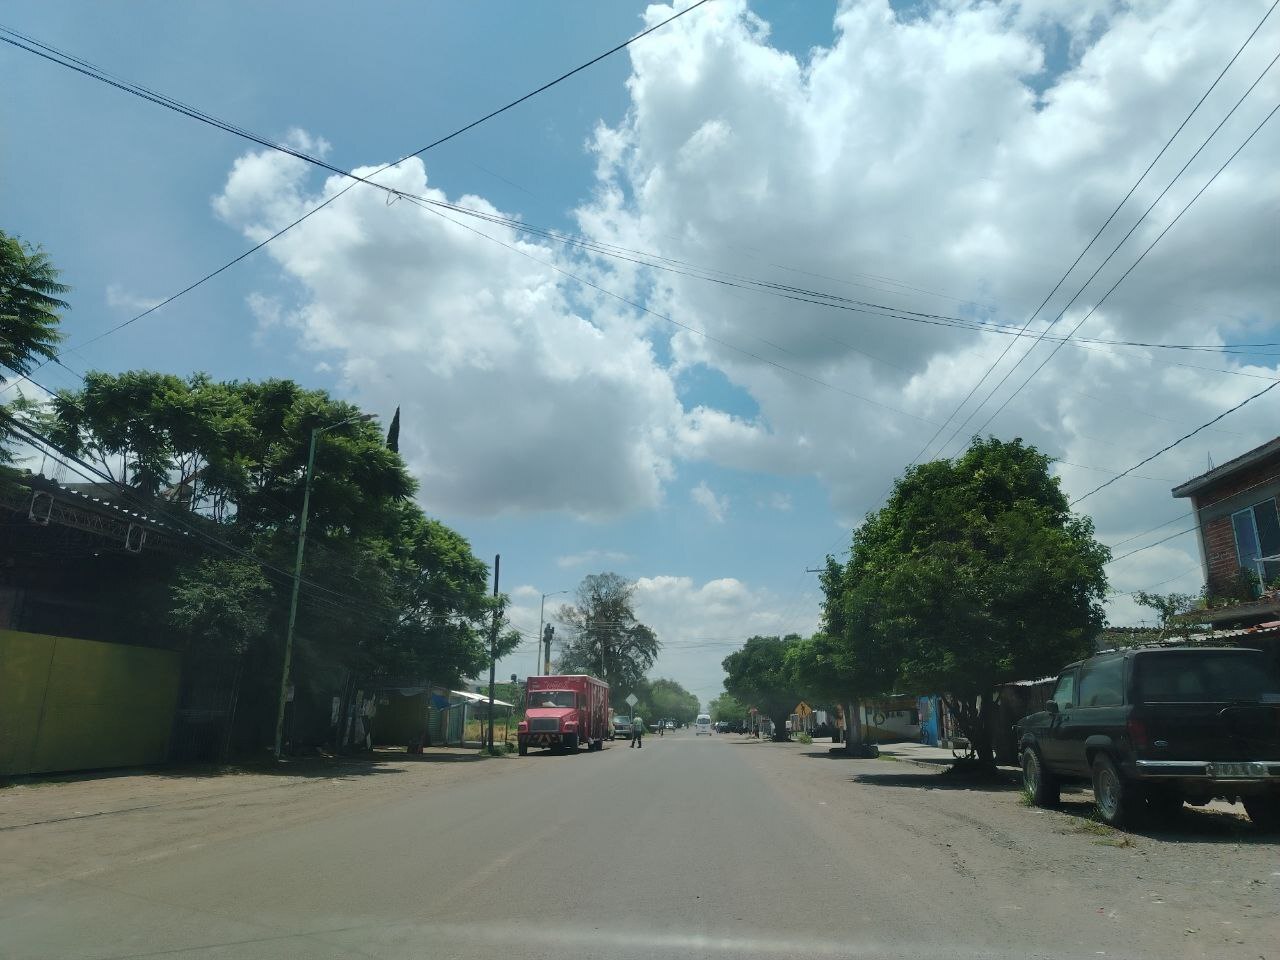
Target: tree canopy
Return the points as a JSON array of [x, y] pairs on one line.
[[759, 676], [30, 304], [387, 590], [604, 637], [667, 699], [974, 573], [30, 308], [727, 707]]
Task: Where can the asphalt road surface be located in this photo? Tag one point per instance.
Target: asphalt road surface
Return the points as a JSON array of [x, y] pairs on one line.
[[689, 847]]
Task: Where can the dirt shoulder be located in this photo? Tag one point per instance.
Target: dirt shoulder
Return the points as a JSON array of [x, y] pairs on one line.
[[75, 826], [1206, 885]]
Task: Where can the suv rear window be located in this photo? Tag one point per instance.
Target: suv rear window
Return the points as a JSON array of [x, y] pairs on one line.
[[1197, 676]]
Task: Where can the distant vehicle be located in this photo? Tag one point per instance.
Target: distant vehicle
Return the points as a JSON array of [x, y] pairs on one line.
[[702, 725], [622, 727], [1156, 727], [721, 726], [563, 713], [671, 724]]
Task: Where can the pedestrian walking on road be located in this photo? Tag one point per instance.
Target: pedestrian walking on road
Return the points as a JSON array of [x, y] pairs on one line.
[[637, 731]]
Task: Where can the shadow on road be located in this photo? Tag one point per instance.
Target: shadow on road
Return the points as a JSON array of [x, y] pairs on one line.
[[1192, 824], [926, 780]]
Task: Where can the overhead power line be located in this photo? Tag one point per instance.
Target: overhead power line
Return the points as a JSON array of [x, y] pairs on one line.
[[1141, 256], [1101, 229], [199, 115], [1168, 447], [652, 260]]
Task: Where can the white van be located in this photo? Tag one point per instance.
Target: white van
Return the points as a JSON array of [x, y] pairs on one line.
[[702, 724]]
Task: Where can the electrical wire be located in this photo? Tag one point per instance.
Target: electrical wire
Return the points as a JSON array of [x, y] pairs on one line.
[[1101, 229], [1140, 258], [655, 261], [195, 114], [1168, 447]]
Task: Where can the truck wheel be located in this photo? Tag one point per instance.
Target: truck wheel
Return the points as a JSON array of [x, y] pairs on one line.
[[1116, 800], [571, 743], [1264, 811], [1040, 785]]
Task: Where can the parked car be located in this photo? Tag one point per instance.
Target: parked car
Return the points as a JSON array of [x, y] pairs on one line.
[[622, 727], [1153, 728], [671, 724]]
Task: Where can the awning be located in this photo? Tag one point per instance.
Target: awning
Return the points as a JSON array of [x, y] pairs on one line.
[[478, 698]]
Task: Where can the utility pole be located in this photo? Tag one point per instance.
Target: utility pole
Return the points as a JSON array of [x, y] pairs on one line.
[[548, 634], [297, 572], [493, 643]]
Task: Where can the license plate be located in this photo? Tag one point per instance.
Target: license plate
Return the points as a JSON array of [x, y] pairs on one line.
[[1237, 770]]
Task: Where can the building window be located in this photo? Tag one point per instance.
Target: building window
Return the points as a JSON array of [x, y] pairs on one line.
[[1257, 531]]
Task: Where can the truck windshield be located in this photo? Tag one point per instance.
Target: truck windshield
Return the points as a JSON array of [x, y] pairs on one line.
[[553, 698], [1203, 677]]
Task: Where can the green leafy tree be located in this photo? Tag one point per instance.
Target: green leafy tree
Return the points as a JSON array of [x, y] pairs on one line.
[[974, 573], [759, 676], [728, 708], [1166, 605], [604, 637], [387, 590], [667, 699], [30, 304], [222, 606]]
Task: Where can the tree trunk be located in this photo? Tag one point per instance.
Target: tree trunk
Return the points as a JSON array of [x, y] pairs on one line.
[[780, 734], [973, 718], [981, 738]]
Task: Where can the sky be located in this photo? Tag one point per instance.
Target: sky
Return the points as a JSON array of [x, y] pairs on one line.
[[694, 421]]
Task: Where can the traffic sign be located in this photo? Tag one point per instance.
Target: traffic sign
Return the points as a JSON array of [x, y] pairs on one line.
[[803, 709], [632, 699]]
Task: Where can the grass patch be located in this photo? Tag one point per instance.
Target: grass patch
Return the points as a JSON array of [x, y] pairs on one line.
[[1025, 798], [804, 737], [1118, 841], [888, 756], [1094, 828]]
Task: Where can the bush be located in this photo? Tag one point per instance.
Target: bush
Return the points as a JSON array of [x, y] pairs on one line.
[[804, 737]]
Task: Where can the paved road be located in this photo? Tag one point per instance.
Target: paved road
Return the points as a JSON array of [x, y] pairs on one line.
[[690, 847]]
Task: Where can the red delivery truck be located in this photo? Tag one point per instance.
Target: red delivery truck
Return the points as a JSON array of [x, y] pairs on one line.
[[563, 713]]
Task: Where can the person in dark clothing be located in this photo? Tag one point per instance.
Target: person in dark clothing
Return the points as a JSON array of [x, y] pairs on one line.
[[637, 731]]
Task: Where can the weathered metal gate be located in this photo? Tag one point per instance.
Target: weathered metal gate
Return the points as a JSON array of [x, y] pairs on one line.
[[206, 709]]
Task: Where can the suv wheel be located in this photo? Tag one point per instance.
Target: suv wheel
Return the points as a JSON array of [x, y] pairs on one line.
[[1264, 811], [1115, 799], [1041, 785]]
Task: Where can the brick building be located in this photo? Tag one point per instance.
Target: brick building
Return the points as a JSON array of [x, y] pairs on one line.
[[1238, 529]]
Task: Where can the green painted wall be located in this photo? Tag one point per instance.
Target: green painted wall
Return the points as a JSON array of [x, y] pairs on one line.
[[69, 704]]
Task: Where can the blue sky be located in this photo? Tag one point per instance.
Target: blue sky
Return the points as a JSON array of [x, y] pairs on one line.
[[960, 149]]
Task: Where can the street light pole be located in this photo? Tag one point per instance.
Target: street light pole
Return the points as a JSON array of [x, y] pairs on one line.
[[297, 573], [542, 613]]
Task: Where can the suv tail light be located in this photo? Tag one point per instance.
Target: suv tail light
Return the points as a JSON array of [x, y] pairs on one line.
[[1138, 734]]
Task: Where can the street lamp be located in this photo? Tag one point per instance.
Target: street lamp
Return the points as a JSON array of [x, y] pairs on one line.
[[542, 610], [297, 569]]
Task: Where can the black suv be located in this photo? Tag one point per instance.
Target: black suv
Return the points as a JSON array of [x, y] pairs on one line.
[[1154, 727]]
